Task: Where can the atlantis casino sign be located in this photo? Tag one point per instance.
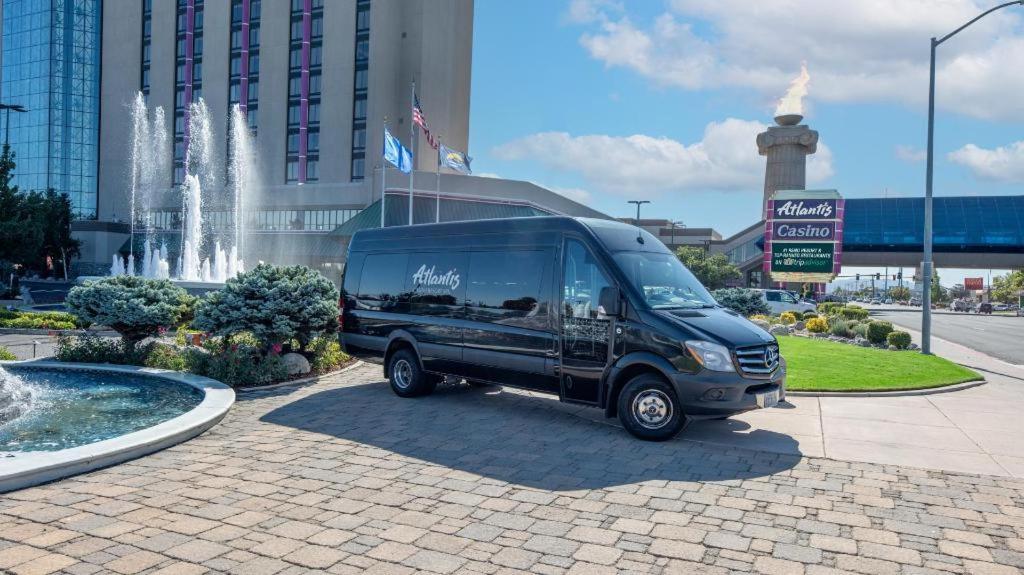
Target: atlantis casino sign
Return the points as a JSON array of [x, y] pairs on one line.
[[803, 235]]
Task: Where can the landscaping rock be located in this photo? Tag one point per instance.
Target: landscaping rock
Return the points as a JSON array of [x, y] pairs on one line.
[[914, 346], [862, 342], [780, 330], [893, 348], [800, 326], [296, 363], [762, 324]]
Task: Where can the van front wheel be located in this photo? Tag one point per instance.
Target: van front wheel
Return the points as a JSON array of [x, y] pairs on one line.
[[649, 409], [406, 377]]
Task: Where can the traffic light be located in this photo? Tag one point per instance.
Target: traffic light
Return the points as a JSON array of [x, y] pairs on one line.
[[893, 277], [899, 275], [878, 276], [858, 277]]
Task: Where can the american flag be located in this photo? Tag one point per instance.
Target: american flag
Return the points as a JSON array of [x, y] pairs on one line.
[[421, 121]]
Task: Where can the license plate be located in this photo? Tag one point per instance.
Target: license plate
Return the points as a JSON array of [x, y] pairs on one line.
[[767, 398]]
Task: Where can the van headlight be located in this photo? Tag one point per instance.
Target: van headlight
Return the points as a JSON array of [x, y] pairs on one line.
[[711, 355]]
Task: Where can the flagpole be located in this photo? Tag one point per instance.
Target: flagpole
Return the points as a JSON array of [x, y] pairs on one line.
[[383, 176], [412, 136], [437, 214]]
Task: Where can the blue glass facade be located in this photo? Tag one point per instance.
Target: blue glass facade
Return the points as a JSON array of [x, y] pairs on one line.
[[51, 65], [966, 224]]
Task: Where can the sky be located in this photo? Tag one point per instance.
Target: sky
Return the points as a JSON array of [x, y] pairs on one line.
[[606, 101]]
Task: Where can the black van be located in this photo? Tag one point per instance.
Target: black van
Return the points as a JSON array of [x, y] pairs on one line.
[[595, 311]]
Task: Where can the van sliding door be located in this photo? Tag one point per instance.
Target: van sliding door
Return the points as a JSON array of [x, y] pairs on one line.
[[585, 331]]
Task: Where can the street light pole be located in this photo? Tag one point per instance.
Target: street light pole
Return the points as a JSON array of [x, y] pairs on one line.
[[7, 119], [926, 264], [638, 203]]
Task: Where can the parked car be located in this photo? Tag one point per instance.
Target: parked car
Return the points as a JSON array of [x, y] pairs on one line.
[[961, 305], [984, 307], [780, 300], [595, 312], [1000, 307]]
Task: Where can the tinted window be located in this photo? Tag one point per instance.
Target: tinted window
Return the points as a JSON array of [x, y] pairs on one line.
[[436, 283], [382, 283], [773, 296], [584, 327], [508, 287]]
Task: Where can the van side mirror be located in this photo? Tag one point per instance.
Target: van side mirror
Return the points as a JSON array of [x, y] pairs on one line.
[[610, 302]]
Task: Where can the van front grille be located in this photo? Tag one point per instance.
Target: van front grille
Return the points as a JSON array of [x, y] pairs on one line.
[[758, 360]]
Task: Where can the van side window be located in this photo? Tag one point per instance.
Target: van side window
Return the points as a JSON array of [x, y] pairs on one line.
[[583, 280], [382, 283], [506, 288], [584, 328], [436, 282], [773, 296]]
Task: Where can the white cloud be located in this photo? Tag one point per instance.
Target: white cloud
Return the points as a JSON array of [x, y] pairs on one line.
[[1001, 164], [863, 51], [588, 11], [910, 154], [487, 175], [725, 159]]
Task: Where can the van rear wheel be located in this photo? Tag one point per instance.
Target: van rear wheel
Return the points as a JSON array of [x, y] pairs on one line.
[[406, 377], [649, 409]]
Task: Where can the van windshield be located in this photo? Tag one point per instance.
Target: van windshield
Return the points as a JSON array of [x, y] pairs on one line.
[[664, 280]]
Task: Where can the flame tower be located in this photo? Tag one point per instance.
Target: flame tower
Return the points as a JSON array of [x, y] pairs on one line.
[[786, 146]]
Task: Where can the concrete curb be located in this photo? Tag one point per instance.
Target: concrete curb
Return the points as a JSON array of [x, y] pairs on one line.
[[25, 469], [302, 381], [908, 392]]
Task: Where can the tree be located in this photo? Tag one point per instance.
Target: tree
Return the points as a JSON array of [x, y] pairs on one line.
[[746, 302], [938, 292], [133, 306], [1007, 288], [35, 227], [958, 291], [712, 270], [274, 303], [901, 293]]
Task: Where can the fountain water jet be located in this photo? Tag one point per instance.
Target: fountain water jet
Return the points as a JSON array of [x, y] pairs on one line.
[[150, 172], [15, 396]]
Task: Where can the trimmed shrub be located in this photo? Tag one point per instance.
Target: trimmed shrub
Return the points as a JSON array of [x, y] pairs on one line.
[[132, 306], [6, 354], [163, 356], [27, 321], [745, 302], [841, 329], [878, 331], [91, 348], [243, 365], [276, 304], [759, 317], [828, 307], [787, 318], [817, 325], [326, 355], [853, 312], [861, 329], [808, 315], [898, 339]]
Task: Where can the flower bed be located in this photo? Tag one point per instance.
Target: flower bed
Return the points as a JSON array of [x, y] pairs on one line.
[[842, 324], [265, 326]]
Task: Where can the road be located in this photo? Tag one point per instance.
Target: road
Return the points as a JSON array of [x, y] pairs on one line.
[[995, 335], [23, 347]]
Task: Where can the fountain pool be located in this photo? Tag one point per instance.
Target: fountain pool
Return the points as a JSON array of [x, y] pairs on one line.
[[61, 419], [73, 408]]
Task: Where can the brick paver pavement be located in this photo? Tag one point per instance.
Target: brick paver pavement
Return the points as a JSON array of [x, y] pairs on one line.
[[344, 477]]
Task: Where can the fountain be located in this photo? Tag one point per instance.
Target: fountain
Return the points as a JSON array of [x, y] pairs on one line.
[[15, 396], [150, 171]]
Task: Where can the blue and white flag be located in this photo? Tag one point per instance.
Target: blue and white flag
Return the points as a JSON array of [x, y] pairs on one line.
[[396, 153], [454, 159]]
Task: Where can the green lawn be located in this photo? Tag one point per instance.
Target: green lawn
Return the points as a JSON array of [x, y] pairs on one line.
[[817, 365]]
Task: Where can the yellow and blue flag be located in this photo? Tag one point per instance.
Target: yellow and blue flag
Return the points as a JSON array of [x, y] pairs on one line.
[[454, 159]]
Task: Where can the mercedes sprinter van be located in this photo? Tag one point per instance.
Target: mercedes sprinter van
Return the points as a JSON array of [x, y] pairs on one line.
[[596, 312]]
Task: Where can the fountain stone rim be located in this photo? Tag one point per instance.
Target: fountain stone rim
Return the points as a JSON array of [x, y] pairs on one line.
[[25, 469]]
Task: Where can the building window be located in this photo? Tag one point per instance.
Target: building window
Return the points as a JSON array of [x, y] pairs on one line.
[[361, 82], [188, 75], [243, 87], [305, 60]]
